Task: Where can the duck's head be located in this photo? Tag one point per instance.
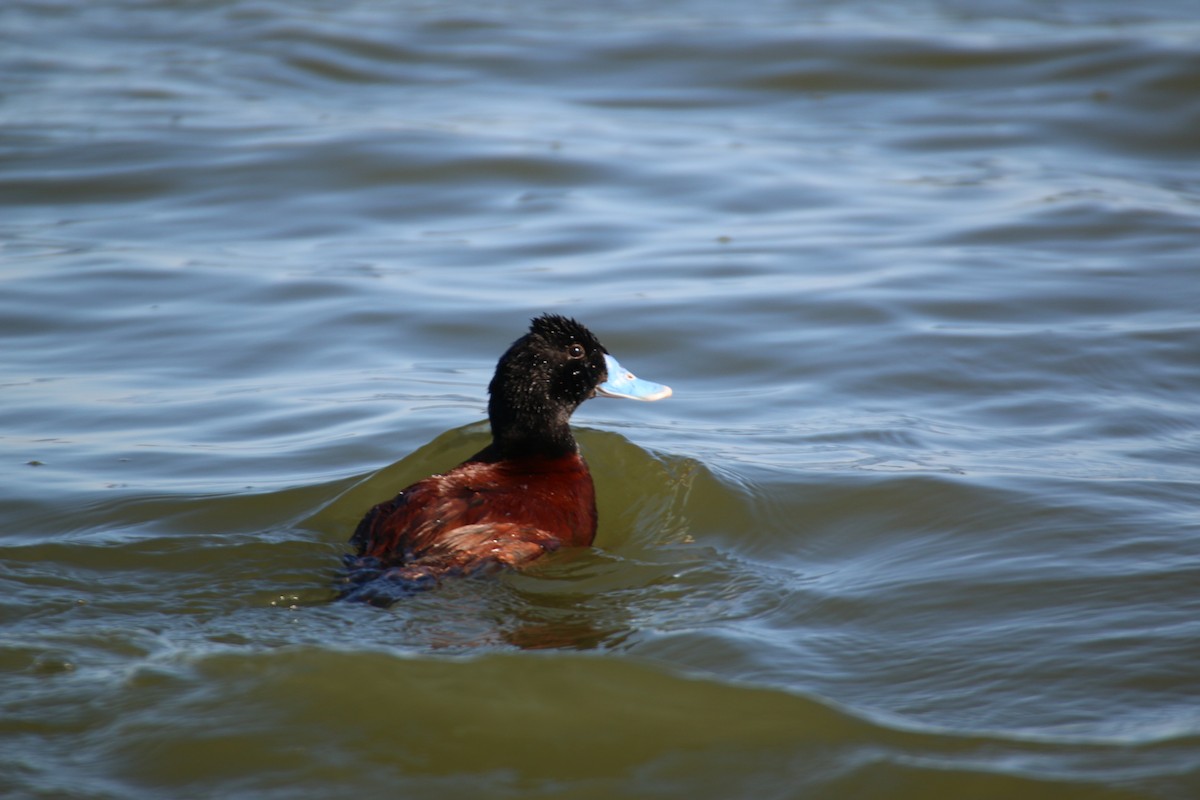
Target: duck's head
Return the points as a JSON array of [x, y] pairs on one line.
[[545, 375]]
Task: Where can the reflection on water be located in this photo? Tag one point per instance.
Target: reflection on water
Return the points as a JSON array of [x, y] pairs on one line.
[[917, 522]]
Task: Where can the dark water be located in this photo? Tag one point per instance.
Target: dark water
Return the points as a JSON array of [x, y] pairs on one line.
[[920, 521]]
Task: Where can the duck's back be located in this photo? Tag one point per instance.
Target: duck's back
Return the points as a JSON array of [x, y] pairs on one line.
[[482, 512]]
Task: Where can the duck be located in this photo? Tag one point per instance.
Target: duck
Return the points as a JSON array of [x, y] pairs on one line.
[[527, 493]]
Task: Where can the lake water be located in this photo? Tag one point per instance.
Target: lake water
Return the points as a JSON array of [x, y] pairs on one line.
[[921, 520]]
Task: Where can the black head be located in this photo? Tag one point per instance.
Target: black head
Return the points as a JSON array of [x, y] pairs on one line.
[[539, 383]]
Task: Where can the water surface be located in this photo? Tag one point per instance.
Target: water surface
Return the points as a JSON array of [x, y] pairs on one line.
[[920, 520]]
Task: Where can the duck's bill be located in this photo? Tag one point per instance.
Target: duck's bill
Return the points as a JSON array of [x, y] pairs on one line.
[[623, 383]]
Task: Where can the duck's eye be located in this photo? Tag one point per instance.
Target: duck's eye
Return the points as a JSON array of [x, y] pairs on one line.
[[575, 351]]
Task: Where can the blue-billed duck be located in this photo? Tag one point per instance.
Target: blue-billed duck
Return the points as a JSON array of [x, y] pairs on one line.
[[527, 493]]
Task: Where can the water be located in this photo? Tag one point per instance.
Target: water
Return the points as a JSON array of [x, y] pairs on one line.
[[920, 520]]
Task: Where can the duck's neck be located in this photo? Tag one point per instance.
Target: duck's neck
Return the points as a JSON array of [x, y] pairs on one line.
[[530, 431], [500, 450]]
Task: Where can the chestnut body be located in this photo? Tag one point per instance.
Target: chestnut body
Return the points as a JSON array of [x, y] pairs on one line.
[[516, 509]]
